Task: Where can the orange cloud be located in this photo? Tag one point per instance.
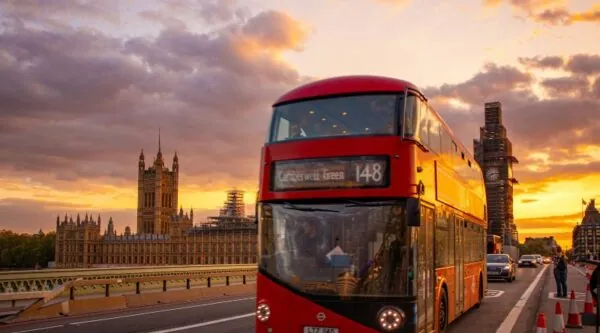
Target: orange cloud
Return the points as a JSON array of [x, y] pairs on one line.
[[553, 12]]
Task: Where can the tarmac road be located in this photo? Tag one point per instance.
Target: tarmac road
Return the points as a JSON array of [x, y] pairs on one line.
[[495, 310], [236, 314]]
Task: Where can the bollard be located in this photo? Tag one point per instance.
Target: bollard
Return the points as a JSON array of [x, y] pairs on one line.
[[164, 285], [187, 284], [208, 282], [243, 279], [227, 280], [107, 290], [137, 287], [72, 293], [13, 303]]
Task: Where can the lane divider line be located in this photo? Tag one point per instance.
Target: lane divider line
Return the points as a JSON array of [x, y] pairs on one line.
[[161, 311], [39, 329], [206, 323], [510, 320]]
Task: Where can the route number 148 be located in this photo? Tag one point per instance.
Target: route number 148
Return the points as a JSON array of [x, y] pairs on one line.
[[369, 173]]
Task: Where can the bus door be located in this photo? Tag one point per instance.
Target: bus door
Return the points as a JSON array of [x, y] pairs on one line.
[[426, 272], [459, 264]]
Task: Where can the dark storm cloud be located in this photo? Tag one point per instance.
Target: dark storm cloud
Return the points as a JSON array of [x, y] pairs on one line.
[[584, 64], [553, 62], [493, 80], [566, 86], [77, 103]]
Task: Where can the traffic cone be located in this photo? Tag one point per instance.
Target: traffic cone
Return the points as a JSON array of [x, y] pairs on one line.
[[541, 324], [559, 322], [589, 315], [574, 317]]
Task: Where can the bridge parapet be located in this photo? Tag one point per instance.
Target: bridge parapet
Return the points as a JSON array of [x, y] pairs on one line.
[[40, 300], [47, 280]]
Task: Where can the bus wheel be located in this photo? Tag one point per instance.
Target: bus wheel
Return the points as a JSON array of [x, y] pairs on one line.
[[478, 305], [443, 313]]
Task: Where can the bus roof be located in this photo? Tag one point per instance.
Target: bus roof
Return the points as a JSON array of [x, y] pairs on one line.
[[342, 85], [352, 84]]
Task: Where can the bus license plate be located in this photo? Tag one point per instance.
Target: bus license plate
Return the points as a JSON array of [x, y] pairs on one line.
[[313, 329]]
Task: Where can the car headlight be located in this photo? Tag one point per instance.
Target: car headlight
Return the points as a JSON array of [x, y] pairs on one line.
[[391, 318], [507, 267], [263, 312]]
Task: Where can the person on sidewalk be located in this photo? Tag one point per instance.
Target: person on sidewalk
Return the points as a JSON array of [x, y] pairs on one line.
[[560, 273]]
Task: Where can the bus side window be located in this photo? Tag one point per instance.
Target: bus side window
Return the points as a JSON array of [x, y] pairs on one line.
[[423, 125], [446, 149], [435, 139], [410, 116]]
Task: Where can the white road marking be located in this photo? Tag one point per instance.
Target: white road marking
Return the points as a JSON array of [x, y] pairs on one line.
[[510, 320], [206, 323], [39, 329], [161, 311], [579, 296], [494, 293], [579, 271]]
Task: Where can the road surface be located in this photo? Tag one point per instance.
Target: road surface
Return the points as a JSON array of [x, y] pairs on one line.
[[508, 308]]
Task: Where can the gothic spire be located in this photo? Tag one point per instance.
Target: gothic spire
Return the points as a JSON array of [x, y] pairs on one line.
[[159, 147]]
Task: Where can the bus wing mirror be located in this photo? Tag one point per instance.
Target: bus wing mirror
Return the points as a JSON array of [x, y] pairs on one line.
[[413, 212]]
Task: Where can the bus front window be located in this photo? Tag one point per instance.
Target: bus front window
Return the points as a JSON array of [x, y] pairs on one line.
[[347, 249], [336, 116]]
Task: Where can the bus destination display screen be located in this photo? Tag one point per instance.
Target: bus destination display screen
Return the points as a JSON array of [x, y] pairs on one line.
[[339, 172]]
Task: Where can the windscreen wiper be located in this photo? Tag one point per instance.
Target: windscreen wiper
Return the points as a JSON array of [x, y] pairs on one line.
[[352, 203], [288, 205]]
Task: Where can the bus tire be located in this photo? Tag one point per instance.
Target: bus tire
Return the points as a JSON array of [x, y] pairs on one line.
[[442, 313], [478, 305]]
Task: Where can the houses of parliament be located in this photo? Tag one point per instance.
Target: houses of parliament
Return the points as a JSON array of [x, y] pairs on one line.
[[164, 235]]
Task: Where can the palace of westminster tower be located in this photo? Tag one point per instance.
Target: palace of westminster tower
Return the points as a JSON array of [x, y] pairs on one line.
[[164, 235], [157, 194]]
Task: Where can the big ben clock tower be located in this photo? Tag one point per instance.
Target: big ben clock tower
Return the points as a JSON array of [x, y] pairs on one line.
[[493, 152]]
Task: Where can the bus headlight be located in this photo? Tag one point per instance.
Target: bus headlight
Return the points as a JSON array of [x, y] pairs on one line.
[[263, 312], [391, 318]]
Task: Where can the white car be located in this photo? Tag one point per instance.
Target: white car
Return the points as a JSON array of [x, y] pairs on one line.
[[539, 258], [528, 260]]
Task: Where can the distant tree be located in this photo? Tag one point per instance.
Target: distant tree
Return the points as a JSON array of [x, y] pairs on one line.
[[26, 250], [535, 247]]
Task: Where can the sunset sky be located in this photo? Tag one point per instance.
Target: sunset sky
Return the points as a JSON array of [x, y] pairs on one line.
[[85, 87]]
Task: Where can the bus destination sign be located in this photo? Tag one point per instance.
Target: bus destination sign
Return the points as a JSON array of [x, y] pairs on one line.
[[340, 172]]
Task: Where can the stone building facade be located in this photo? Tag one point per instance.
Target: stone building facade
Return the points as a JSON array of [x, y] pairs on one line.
[[586, 235], [165, 236]]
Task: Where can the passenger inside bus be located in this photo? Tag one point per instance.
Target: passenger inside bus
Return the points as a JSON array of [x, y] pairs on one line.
[[348, 115]]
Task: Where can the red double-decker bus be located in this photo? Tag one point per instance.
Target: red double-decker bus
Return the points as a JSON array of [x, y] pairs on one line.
[[371, 213]]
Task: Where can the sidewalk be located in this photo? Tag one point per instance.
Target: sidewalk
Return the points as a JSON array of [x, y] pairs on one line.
[[576, 281]]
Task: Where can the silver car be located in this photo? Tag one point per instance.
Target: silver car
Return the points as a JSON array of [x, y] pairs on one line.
[[500, 267], [528, 260]]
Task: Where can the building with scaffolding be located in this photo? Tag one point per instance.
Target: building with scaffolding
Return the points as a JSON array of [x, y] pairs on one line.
[[493, 152], [233, 210]]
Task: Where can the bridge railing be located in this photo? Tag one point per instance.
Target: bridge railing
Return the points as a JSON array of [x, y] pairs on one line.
[[166, 282], [49, 279]]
